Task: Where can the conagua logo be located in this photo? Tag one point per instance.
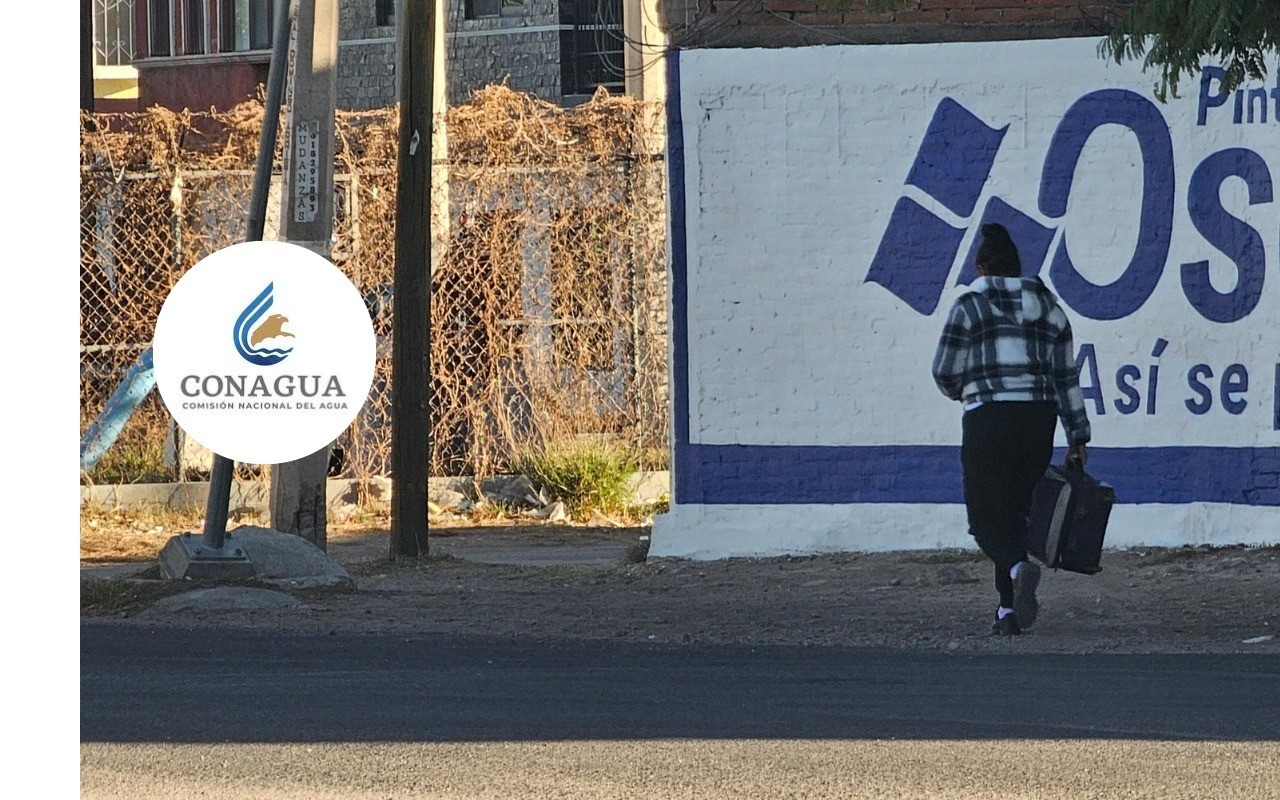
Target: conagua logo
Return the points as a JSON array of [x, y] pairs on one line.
[[258, 340], [239, 400]]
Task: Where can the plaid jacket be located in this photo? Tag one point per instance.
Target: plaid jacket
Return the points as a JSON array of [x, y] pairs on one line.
[[1007, 339]]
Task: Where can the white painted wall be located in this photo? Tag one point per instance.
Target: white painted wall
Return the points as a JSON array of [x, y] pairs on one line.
[[794, 160]]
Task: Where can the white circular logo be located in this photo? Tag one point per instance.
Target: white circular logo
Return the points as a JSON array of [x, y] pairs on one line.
[[264, 352]]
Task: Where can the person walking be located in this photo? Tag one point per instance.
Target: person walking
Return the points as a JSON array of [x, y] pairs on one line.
[[1006, 353]]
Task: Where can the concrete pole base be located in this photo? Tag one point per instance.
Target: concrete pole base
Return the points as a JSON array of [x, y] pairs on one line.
[[187, 556]]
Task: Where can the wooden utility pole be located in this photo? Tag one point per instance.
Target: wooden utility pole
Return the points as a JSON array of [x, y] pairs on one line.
[[298, 501], [86, 55], [410, 369]]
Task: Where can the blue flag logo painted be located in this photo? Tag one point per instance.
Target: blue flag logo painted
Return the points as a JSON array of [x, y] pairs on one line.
[[952, 166]]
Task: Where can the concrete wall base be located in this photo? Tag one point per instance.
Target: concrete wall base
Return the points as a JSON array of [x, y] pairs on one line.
[[192, 496], [647, 487], [707, 532]]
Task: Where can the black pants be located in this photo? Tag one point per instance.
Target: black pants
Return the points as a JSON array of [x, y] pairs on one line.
[[1005, 450]]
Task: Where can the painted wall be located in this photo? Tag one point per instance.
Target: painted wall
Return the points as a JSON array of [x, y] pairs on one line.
[[210, 84], [825, 203]]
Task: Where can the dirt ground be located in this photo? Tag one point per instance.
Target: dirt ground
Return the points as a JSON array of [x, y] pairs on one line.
[[1144, 601]]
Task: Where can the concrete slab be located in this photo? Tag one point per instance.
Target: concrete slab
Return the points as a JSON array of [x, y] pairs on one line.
[[224, 599], [650, 487]]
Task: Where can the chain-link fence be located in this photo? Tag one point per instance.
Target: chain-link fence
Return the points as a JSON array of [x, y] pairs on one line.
[[548, 315]]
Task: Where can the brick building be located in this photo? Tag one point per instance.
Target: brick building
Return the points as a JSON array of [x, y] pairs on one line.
[[202, 53], [788, 23], [115, 81]]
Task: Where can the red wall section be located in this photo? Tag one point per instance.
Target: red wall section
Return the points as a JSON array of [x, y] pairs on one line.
[[199, 87]]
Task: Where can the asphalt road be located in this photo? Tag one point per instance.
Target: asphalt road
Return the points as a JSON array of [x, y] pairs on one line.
[[239, 714]]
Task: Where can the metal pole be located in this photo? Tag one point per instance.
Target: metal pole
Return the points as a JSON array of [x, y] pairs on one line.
[[285, 14], [215, 515]]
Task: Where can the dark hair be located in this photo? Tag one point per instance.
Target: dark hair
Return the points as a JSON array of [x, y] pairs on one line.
[[997, 254]]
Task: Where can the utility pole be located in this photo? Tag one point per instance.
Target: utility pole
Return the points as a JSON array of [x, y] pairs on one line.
[[410, 353], [86, 55], [298, 497]]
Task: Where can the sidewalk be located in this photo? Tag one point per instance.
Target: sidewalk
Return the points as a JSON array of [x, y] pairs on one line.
[[551, 583]]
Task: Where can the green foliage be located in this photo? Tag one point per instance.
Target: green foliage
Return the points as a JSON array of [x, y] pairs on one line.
[[1175, 37], [584, 475], [136, 461], [660, 506]]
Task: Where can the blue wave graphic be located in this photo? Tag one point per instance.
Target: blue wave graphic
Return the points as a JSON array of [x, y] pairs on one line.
[[246, 322]]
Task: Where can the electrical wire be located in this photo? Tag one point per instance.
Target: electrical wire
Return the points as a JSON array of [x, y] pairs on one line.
[[698, 32]]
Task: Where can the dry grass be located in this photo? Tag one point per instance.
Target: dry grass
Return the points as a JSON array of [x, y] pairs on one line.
[[127, 536], [114, 546], [362, 521]]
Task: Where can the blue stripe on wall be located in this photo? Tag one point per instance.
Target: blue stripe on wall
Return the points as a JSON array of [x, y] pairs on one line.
[[681, 467], [792, 475]]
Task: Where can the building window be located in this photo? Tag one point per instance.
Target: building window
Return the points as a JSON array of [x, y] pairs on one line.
[[245, 25], [384, 12], [482, 9], [591, 53], [112, 32], [479, 9], [193, 28], [160, 40]]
